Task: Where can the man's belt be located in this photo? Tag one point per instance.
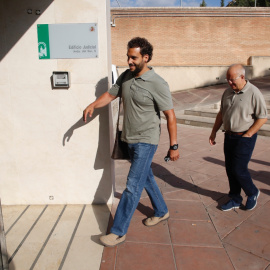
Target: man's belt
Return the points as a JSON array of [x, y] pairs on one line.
[[234, 133]]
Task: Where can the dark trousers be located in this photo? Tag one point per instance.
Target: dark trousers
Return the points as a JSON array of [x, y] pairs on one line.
[[238, 151]]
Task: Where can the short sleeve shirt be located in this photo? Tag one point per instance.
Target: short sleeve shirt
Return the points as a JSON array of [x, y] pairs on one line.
[[143, 98], [240, 110]]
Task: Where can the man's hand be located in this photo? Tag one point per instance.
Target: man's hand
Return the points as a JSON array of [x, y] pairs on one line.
[[212, 138], [173, 155], [88, 111], [102, 101], [216, 127], [246, 135]]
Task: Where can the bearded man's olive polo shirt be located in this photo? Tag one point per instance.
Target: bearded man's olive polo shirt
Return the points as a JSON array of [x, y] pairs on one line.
[[143, 99], [240, 110]]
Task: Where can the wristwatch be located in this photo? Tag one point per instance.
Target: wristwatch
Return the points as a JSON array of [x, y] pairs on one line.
[[174, 147]]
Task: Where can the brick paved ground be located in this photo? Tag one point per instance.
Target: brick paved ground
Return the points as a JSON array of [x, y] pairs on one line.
[[198, 235]]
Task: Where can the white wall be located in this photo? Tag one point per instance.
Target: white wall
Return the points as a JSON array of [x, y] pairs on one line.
[[48, 155], [261, 66]]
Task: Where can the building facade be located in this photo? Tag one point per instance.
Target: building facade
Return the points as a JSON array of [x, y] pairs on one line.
[[193, 36]]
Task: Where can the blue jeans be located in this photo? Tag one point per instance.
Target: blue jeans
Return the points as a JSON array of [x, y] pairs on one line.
[[238, 151], [140, 176]]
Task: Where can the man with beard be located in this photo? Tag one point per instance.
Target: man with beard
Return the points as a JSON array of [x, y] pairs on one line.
[[243, 112], [144, 95]]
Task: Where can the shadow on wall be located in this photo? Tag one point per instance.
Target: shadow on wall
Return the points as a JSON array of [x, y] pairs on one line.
[[103, 157], [15, 20], [104, 189]]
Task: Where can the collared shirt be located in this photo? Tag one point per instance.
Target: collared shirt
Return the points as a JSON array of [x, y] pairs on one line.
[[241, 109], [143, 99]]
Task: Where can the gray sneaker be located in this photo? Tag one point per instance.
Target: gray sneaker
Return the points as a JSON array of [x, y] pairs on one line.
[[252, 201]]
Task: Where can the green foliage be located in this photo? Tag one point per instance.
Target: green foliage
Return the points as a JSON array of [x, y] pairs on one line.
[[249, 3], [203, 4], [222, 3]]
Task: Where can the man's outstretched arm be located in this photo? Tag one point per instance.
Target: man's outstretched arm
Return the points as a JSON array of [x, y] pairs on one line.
[[102, 101]]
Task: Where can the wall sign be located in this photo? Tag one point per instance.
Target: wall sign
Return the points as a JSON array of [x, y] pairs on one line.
[[59, 41]]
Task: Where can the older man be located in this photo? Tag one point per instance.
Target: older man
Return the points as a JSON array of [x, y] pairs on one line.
[[243, 112]]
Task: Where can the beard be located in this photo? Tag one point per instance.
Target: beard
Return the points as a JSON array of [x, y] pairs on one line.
[[138, 68]]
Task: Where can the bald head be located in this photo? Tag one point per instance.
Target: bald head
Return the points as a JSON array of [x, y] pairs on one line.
[[237, 69], [236, 77]]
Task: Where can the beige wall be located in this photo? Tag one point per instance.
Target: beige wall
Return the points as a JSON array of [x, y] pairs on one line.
[[193, 36], [261, 66], [48, 155], [187, 77]]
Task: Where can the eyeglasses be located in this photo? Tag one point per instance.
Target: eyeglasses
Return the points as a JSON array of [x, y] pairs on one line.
[[233, 80]]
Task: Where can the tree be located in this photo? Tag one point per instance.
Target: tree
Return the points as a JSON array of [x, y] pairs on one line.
[[203, 4], [222, 3], [249, 3]]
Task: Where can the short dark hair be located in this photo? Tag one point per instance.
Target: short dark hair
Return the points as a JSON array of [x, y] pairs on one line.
[[143, 44]]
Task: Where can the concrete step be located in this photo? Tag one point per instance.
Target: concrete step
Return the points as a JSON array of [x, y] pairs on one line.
[[210, 113], [204, 112], [208, 122], [194, 120]]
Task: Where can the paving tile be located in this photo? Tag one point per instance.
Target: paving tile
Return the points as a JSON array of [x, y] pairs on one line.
[[11, 213], [173, 183], [138, 232], [227, 221], [262, 217], [201, 258], [108, 258], [198, 178], [257, 242], [183, 195], [195, 146], [177, 167], [143, 256], [86, 239], [144, 208], [245, 260], [212, 190], [186, 151], [202, 155], [54, 251], [186, 163], [224, 224], [262, 147], [167, 169], [261, 180], [193, 233], [258, 166], [208, 168], [186, 210], [21, 228], [28, 252]]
